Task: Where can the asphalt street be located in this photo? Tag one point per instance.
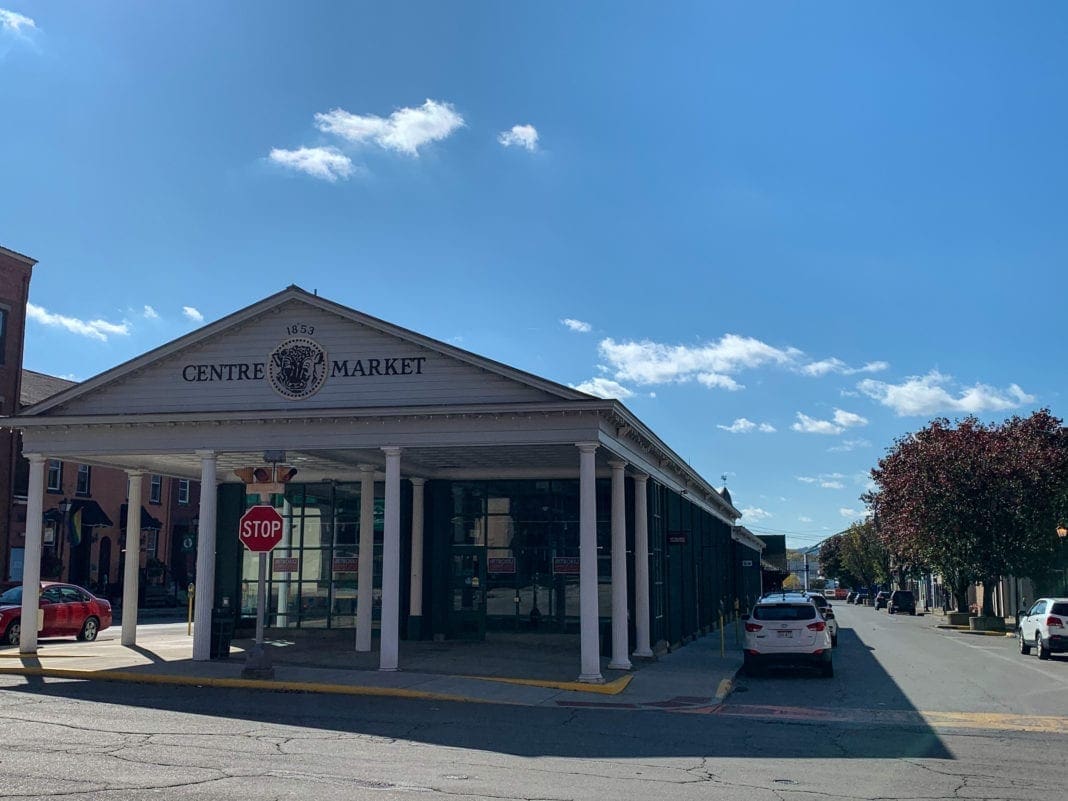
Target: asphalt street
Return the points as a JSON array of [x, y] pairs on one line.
[[913, 712]]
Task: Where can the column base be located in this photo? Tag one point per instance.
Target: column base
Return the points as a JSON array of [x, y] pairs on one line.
[[591, 678], [389, 670], [624, 665], [644, 656]]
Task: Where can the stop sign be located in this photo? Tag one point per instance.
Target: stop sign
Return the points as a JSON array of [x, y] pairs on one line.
[[260, 529]]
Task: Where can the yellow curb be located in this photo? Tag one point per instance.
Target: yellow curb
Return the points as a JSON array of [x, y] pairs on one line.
[[614, 687], [245, 684], [724, 689]]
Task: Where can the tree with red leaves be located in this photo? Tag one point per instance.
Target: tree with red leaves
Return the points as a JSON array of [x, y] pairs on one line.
[[974, 501]]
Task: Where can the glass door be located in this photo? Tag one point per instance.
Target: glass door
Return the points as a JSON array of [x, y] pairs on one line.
[[467, 592]]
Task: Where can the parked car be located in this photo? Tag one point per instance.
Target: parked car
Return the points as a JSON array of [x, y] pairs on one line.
[[850, 596], [901, 601], [881, 600], [860, 598], [1044, 627], [68, 611], [787, 632]]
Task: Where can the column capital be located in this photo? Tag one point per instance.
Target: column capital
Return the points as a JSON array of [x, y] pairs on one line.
[[587, 447], [417, 482], [617, 464], [366, 468], [36, 458], [205, 454], [640, 478], [391, 450], [136, 472]]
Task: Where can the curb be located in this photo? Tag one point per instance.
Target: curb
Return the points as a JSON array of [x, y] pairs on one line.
[[614, 687], [966, 630], [243, 684]]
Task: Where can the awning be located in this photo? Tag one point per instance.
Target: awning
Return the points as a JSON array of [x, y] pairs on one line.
[[91, 513], [147, 520]]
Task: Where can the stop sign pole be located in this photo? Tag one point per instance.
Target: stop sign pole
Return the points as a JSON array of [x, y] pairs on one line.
[[260, 531]]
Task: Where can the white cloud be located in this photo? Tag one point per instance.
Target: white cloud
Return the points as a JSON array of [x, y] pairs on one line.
[[577, 325], [405, 130], [927, 395], [319, 162], [833, 365], [192, 314], [94, 329], [852, 513], [744, 426], [711, 364], [520, 136], [15, 23], [150, 313], [825, 480], [754, 514], [604, 388], [831, 484], [849, 419], [847, 445], [806, 479], [842, 420], [803, 519]]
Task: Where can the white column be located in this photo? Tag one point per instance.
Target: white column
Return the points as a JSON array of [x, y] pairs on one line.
[[31, 561], [131, 571], [641, 568], [205, 584], [415, 605], [620, 636], [589, 611], [283, 585], [365, 575], [389, 644]]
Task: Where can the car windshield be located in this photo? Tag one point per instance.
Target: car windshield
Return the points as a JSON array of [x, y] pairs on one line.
[[12, 597], [902, 595], [1059, 609], [785, 612]]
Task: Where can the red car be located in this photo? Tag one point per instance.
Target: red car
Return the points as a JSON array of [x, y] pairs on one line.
[[68, 611]]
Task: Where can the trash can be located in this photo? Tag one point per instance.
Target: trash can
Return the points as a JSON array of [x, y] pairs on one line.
[[222, 631]]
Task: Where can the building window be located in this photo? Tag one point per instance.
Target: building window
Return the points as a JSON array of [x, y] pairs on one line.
[[55, 475], [155, 492], [83, 487], [183, 490], [3, 334], [149, 541]]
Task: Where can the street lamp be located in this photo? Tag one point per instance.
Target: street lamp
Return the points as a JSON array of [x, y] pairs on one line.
[[1062, 530]]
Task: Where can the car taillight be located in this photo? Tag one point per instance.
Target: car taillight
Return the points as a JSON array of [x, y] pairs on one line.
[[1054, 621], [753, 627], [819, 625]]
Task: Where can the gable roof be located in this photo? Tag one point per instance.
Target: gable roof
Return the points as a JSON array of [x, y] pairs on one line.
[[37, 387], [291, 293]]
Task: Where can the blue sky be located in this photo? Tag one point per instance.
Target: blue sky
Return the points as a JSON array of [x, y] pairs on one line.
[[784, 234]]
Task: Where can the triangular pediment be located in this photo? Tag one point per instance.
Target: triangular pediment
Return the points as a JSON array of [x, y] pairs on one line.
[[294, 352]]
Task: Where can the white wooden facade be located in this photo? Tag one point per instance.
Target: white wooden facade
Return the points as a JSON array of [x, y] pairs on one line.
[[368, 398]]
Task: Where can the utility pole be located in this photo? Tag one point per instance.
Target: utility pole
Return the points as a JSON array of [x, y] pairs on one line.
[[806, 570]]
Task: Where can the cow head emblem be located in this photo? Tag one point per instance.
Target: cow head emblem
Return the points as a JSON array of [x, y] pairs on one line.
[[297, 368]]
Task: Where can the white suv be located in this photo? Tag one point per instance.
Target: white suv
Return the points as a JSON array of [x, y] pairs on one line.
[[790, 630], [1044, 627], [819, 600]]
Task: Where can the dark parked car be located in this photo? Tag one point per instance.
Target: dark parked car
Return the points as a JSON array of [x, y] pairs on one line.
[[68, 611], [902, 601], [850, 596], [881, 599], [860, 598]]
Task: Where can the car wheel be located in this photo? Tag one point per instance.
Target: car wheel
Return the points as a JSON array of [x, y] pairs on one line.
[[827, 671], [90, 628], [1025, 649], [14, 631], [1043, 651]]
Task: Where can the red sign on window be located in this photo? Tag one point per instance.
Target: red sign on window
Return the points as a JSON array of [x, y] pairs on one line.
[[346, 564], [566, 565], [500, 564], [284, 564]]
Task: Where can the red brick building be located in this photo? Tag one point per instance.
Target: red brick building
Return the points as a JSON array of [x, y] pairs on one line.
[[85, 505]]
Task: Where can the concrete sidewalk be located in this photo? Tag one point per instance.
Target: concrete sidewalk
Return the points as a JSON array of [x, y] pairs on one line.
[[503, 669]]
